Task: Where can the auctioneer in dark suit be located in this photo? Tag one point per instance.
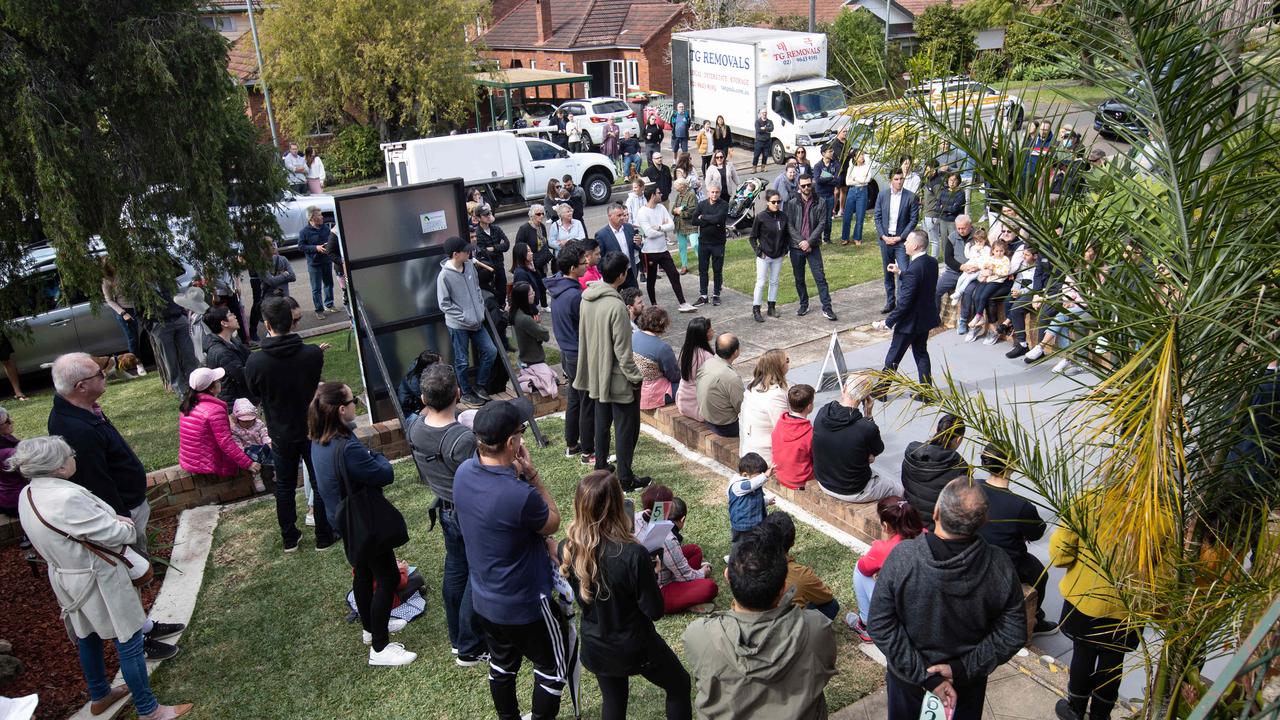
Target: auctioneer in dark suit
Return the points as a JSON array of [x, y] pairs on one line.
[[915, 314]]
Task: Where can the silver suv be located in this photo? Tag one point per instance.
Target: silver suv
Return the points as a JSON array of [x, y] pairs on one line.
[[61, 320]]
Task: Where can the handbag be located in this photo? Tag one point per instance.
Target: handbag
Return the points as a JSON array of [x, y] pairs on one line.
[[140, 570], [369, 523]]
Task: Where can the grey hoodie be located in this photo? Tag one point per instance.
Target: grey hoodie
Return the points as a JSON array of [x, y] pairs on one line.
[[965, 610], [458, 293], [766, 665]]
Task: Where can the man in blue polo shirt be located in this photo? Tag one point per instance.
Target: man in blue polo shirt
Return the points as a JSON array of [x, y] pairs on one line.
[[506, 514]]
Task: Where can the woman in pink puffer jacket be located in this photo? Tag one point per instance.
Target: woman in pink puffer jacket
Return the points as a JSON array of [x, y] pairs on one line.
[[205, 444]]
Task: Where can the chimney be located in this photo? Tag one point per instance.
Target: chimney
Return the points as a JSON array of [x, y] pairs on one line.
[[542, 14]]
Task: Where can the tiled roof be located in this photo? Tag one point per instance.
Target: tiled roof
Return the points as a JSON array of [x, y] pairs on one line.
[[825, 10], [242, 62], [582, 23], [915, 7]]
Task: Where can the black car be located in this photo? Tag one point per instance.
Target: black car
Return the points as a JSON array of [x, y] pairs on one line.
[[1118, 116]]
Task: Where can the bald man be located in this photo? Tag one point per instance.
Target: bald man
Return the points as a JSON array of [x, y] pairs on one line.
[[720, 388]]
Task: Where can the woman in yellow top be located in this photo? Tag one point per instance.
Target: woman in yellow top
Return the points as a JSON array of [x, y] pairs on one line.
[[1093, 617]]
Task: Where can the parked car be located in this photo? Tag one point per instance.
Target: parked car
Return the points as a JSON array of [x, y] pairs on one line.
[[291, 213], [1118, 118], [61, 320], [592, 114], [958, 97], [534, 114]]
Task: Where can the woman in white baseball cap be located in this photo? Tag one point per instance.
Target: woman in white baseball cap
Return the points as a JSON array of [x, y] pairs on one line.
[[205, 443]]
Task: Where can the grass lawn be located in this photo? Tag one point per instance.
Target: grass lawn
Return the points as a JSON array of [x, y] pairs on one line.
[[268, 637], [845, 266], [147, 416], [1034, 93]]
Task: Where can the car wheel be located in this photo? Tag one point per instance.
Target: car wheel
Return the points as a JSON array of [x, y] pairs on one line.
[[587, 145], [778, 153], [599, 187]]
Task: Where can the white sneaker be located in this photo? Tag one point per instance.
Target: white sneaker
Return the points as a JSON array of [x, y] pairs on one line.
[[1034, 354], [687, 308], [142, 370], [258, 485], [311, 520], [991, 340], [1062, 365], [971, 336], [394, 625], [392, 654]]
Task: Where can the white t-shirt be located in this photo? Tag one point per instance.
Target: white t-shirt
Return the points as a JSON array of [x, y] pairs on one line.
[[654, 223]]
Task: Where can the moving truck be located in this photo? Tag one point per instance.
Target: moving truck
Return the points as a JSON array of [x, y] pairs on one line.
[[508, 166], [736, 71]]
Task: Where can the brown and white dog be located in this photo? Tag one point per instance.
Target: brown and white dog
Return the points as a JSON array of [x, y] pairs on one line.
[[124, 365]]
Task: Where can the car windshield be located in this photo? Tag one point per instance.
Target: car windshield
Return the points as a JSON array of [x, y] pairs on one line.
[[611, 106], [815, 103]]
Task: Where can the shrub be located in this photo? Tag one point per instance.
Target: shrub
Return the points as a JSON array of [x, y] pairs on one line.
[[989, 67], [1037, 72], [353, 155]]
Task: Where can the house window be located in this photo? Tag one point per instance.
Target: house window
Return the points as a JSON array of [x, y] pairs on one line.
[[564, 67], [533, 64], [221, 23], [633, 74]]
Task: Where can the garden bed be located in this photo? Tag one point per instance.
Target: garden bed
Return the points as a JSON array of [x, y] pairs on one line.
[[32, 623]]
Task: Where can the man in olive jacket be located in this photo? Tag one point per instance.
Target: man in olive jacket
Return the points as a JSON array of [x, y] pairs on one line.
[[606, 370]]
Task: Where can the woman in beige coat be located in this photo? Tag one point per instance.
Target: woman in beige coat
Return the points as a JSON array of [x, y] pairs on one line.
[[89, 574]]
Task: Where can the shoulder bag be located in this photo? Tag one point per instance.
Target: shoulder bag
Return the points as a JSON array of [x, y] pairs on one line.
[[370, 524], [140, 570]]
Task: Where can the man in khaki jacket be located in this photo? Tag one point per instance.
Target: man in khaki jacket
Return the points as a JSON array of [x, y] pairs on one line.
[[606, 370], [720, 388]]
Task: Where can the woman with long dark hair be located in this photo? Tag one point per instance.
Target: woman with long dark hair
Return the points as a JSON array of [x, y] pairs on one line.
[[535, 374], [345, 467], [927, 467], [614, 580], [898, 521], [524, 270], [695, 351]]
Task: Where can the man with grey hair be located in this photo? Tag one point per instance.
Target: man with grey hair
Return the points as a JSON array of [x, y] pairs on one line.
[[105, 464], [619, 236], [313, 241], [953, 258], [947, 610], [915, 313]]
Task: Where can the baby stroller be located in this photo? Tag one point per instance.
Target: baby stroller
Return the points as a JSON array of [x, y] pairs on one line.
[[742, 209]]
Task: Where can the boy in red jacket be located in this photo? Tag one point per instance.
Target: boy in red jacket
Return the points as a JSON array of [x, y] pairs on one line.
[[793, 439]]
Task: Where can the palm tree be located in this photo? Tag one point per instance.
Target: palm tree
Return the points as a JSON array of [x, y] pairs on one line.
[[1161, 466]]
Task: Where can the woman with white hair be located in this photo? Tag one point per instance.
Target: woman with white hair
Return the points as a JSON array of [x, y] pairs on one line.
[[534, 234], [565, 228], [85, 544]]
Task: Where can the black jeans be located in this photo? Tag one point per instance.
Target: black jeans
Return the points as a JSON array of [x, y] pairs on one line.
[[374, 585], [919, 345], [713, 256], [761, 154], [946, 284], [1031, 572], [730, 430], [1095, 674], [625, 420], [905, 699], [1017, 314], [287, 455], [541, 641], [662, 669], [814, 260], [255, 312], [662, 260], [580, 413]]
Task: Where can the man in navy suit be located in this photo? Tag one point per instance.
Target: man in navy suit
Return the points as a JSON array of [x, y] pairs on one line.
[[896, 216], [916, 312], [619, 236]]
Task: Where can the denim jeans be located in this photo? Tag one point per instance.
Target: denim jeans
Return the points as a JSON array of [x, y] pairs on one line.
[[863, 588], [627, 162], [462, 342], [131, 329], [828, 206], [814, 259], [321, 286], [133, 665], [455, 590], [855, 208], [892, 254], [766, 268], [260, 454]]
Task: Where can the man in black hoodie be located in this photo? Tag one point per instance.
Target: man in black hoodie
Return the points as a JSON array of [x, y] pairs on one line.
[[846, 440], [223, 349], [947, 610], [284, 374], [566, 301]]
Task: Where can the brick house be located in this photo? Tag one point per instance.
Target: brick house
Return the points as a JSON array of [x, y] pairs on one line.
[[624, 45]]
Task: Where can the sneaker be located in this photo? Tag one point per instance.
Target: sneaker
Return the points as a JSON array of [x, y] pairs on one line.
[[258, 485], [991, 340], [394, 625], [715, 300], [702, 300], [1018, 351], [687, 308], [588, 459], [453, 650], [638, 483], [311, 520], [471, 660], [391, 655], [291, 545], [319, 315], [802, 311], [163, 630], [156, 650], [979, 333], [572, 451], [142, 370], [962, 329], [167, 712], [1033, 354], [1044, 627], [322, 545], [1061, 365], [472, 399], [970, 337], [480, 393], [829, 315], [855, 624]]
